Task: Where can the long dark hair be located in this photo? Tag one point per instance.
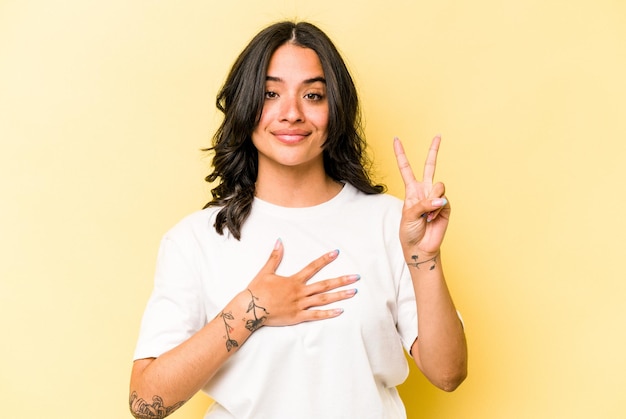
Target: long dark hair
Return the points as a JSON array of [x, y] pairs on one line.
[[235, 160]]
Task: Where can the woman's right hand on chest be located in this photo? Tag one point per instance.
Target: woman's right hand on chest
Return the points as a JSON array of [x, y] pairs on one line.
[[281, 301]]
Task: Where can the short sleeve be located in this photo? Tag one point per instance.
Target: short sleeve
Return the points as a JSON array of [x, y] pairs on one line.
[[175, 310], [407, 309]]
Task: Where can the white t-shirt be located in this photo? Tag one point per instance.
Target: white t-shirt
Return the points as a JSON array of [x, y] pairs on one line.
[[346, 367]]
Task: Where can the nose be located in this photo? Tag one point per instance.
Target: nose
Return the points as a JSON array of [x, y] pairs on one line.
[[291, 109]]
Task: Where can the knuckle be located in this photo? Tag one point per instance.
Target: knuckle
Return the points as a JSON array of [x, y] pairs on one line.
[[324, 299], [320, 314], [331, 284], [325, 286]]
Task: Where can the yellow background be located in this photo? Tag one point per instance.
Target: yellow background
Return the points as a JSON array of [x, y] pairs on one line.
[[104, 106]]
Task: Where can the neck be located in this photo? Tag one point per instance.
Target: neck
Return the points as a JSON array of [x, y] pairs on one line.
[[297, 190]]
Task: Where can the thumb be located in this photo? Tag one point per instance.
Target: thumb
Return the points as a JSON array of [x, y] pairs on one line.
[[437, 205], [426, 207], [275, 257]]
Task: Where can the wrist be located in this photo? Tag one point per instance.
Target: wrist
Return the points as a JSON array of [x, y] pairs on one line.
[[422, 254], [424, 261], [255, 314], [241, 318]]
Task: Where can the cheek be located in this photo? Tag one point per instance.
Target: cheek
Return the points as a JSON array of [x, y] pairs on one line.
[[257, 134], [321, 119], [264, 119]]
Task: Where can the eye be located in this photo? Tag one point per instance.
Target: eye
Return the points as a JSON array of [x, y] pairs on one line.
[[271, 95], [313, 96]]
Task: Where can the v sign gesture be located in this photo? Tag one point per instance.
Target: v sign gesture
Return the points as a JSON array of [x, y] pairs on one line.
[[440, 351], [426, 210]]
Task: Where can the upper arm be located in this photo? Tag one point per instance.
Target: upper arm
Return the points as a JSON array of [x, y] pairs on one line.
[[175, 310]]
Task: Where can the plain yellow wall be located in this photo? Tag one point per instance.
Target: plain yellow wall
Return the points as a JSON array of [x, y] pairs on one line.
[[104, 106]]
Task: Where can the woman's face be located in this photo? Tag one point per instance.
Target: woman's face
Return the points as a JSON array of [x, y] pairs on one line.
[[294, 120]]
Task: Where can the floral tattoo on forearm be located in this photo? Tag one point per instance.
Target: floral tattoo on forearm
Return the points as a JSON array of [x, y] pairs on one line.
[[253, 325], [230, 343], [141, 409]]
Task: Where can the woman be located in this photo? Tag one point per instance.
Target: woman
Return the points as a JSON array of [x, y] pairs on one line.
[[289, 336]]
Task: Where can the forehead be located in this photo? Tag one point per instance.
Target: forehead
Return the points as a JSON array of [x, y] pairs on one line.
[[293, 62]]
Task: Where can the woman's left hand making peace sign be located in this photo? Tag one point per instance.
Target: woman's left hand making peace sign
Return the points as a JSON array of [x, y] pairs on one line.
[[426, 210]]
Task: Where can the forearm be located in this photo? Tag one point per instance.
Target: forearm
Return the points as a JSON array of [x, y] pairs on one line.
[[165, 383], [440, 350]]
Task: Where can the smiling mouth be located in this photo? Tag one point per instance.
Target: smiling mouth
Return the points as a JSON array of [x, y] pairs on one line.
[[290, 137]]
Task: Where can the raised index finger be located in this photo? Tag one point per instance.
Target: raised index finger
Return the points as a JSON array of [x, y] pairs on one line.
[[314, 267], [431, 160]]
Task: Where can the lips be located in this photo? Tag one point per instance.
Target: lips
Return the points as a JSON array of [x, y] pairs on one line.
[[290, 136]]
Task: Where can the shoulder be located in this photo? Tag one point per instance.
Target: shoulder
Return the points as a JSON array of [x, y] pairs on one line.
[[372, 208], [382, 201], [193, 226]]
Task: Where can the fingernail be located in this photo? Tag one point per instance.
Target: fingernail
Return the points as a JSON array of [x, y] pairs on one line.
[[431, 217], [354, 277], [278, 243], [439, 202], [334, 253], [337, 311], [352, 292]]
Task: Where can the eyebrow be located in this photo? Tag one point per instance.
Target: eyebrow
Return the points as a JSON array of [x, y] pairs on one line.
[[307, 81]]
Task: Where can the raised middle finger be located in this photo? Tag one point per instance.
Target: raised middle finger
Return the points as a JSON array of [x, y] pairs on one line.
[[431, 161]]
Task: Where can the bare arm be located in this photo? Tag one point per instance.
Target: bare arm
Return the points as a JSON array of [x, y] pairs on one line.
[[159, 386], [440, 350]]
